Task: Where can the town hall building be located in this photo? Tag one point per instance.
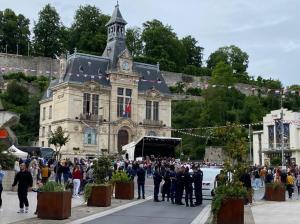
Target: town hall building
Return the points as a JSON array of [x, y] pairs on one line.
[[105, 102]]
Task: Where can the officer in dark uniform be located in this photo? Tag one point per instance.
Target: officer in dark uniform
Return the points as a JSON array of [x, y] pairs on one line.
[[188, 188], [173, 183], [157, 178], [179, 186], [198, 178], [167, 184]]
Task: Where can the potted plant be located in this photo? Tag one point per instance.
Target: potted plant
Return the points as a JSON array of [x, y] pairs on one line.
[[54, 202], [99, 193], [228, 202], [124, 186], [274, 192]]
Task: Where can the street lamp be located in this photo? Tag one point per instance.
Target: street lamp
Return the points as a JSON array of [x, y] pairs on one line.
[[282, 131]]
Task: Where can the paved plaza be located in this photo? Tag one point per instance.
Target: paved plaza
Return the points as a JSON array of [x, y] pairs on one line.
[[141, 211]]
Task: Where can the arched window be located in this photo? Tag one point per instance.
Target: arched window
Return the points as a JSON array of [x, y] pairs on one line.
[[152, 133], [90, 136]]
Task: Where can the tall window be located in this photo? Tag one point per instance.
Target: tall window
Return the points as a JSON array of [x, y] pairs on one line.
[[90, 103], [148, 110], [90, 136], [124, 102], [86, 103], [95, 104], [43, 131], [49, 130], [44, 113], [271, 135], [50, 112], [152, 110], [155, 111]]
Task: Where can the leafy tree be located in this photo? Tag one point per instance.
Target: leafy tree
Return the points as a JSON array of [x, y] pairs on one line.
[[58, 139], [222, 75], [231, 55], [162, 44], [88, 32], [48, 33], [17, 94], [194, 53], [134, 42], [14, 32]]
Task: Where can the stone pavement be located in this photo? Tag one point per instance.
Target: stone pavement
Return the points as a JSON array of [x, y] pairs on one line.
[[10, 207]]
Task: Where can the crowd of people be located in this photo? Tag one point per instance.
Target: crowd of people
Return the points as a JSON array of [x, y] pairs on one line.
[[173, 180]]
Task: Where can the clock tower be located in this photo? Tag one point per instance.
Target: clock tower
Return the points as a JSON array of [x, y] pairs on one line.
[[116, 40]]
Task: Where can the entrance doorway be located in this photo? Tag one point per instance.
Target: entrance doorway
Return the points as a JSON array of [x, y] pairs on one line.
[[123, 139]]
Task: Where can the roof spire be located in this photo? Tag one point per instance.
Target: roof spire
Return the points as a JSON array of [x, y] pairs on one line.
[[117, 3]]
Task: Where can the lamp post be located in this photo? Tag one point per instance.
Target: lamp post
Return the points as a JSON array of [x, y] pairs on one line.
[[282, 132], [250, 144]]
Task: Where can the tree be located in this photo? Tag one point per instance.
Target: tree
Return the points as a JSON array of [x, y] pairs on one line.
[[16, 94], [134, 42], [49, 33], [88, 32], [222, 75], [14, 32], [231, 55], [162, 44], [7, 160], [194, 53], [58, 139]]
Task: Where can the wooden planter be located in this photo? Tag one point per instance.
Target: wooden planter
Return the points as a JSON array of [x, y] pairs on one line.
[[100, 196], [231, 211], [274, 193], [124, 190], [54, 205]]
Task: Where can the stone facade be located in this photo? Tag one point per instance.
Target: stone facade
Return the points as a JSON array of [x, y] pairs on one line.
[[29, 65], [101, 102], [267, 143]]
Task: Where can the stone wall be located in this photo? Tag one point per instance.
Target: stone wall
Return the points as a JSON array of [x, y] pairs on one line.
[[29, 65], [8, 180]]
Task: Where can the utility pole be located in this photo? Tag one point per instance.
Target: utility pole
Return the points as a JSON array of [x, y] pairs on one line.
[[282, 131]]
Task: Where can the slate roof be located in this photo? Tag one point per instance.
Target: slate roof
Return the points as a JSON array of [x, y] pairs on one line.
[[84, 67], [150, 77], [48, 93], [116, 17]]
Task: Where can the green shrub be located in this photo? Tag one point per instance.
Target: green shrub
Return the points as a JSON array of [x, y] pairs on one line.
[[120, 177], [52, 186]]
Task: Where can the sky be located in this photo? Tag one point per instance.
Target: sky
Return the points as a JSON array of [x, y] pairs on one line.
[[268, 31]]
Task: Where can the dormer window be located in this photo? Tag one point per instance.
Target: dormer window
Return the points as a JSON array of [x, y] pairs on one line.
[[80, 68]]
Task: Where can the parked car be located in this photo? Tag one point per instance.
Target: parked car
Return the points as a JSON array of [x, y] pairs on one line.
[[209, 176]]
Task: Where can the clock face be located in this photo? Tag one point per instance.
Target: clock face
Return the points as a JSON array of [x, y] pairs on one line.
[[125, 65]]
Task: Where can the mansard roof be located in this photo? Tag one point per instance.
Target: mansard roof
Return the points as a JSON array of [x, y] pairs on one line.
[[84, 67], [116, 17]]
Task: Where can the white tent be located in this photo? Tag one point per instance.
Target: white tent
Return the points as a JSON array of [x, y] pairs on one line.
[[17, 152]]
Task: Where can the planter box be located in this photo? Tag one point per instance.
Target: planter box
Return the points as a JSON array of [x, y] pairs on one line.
[[231, 211], [54, 205], [124, 190], [100, 196], [275, 194]]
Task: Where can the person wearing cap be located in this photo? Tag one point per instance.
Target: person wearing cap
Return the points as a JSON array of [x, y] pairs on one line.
[[198, 178], [157, 178]]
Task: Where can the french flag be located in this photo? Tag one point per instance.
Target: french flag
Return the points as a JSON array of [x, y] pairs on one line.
[[127, 109]]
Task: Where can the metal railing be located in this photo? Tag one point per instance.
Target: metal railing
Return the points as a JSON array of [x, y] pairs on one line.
[[91, 117]]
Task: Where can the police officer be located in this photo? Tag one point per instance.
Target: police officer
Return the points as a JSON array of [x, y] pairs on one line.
[[173, 183], [179, 186], [157, 178], [198, 178], [188, 188], [167, 184]]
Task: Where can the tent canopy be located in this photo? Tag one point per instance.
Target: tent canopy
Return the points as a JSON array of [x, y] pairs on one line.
[[17, 152], [152, 145]]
